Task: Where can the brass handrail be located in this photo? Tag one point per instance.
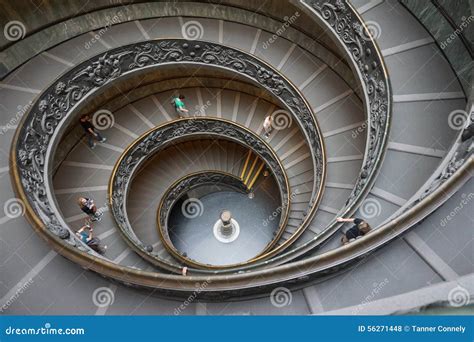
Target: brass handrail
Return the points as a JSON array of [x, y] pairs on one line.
[[257, 173], [141, 250], [217, 278], [61, 90], [251, 170], [247, 160], [230, 286], [162, 230]]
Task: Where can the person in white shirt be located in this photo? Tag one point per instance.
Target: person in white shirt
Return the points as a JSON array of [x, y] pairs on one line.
[[267, 126]]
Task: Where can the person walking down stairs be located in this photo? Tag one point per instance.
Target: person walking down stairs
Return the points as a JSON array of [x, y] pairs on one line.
[[88, 206], [267, 126], [92, 133], [180, 108], [360, 228], [85, 234]]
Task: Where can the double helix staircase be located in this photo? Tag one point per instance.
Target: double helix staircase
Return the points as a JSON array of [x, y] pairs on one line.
[[409, 249]]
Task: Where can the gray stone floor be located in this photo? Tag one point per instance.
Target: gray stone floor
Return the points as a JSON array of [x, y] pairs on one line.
[[425, 92], [194, 235]]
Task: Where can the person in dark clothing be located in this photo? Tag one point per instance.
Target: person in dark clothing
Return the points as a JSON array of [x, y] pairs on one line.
[[360, 228], [91, 132], [87, 205]]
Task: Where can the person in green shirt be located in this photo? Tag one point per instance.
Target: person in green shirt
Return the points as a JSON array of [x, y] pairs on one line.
[[179, 105]]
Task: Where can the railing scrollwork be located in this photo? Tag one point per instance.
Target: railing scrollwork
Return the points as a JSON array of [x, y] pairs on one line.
[[42, 126], [180, 188], [162, 136]]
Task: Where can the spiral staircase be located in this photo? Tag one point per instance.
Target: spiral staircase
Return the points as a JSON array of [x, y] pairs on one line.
[[371, 118]]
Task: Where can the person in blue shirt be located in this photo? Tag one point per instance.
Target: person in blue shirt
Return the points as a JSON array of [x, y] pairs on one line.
[[85, 233]]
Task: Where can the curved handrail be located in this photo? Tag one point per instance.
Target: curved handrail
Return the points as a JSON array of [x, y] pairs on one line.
[[40, 129], [183, 11], [461, 150], [317, 265], [362, 51], [159, 137], [229, 286], [184, 185]]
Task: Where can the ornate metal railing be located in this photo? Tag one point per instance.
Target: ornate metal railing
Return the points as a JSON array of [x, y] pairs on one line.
[[31, 151], [182, 186], [155, 140], [42, 127], [361, 50], [461, 153], [454, 170]]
